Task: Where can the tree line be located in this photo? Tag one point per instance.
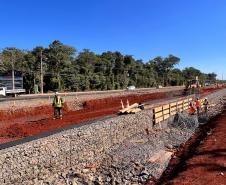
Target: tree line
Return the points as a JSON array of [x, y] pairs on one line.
[[64, 69]]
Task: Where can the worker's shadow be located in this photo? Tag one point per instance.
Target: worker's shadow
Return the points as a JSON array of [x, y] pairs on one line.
[[203, 118]]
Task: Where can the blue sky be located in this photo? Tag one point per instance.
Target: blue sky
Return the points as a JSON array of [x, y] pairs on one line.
[[194, 30]]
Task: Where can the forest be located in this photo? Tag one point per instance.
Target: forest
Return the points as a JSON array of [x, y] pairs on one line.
[[62, 68]]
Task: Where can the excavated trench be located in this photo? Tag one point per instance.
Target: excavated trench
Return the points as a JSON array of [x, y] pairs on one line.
[[17, 124], [27, 122], [191, 164]]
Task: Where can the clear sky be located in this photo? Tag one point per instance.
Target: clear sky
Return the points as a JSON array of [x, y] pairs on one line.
[[194, 30]]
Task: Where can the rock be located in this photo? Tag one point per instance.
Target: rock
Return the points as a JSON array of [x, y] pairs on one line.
[[167, 131], [91, 178], [85, 170], [137, 163], [144, 172], [100, 178], [169, 146], [134, 179], [108, 179]]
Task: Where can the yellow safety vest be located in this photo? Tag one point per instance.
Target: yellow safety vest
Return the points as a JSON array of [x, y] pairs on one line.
[[58, 102], [205, 103]]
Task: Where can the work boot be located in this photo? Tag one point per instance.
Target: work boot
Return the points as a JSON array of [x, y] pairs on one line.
[[54, 118]]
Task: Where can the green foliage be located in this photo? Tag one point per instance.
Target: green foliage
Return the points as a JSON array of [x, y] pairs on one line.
[[66, 70], [12, 58], [190, 73], [163, 66], [59, 55]]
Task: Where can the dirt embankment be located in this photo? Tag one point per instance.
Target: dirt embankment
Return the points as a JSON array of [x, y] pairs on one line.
[[17, 124], [26, 122], [93, 104], [202, 160]]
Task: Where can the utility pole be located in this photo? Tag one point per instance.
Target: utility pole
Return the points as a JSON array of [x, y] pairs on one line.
[[41, 74], [13, 75]]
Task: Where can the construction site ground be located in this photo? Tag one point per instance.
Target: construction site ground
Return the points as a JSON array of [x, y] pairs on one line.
[[23, 122], [143, 157], [19, 123], [202, 160]]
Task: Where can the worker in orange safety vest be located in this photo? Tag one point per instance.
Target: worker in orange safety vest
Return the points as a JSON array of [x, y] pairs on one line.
[[198, 105], [191, 109]]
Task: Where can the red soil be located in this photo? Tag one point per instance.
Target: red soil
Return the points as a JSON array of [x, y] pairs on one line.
[[32, 121], [31, 112], [202, 160], [206, 91], [27, 122]]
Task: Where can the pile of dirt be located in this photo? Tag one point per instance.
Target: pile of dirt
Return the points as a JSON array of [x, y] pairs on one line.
[[115, 101]]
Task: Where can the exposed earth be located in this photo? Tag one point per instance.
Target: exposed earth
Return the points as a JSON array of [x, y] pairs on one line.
[[20, 123], [202, 160]]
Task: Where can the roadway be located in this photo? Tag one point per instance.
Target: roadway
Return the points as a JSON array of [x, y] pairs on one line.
[[48, 95]]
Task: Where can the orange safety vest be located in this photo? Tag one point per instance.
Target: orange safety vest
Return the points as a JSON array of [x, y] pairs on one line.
[[191, 110], [197, 103]]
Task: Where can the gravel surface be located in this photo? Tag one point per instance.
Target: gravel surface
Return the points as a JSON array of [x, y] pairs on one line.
[[140, 157], [145, 155]]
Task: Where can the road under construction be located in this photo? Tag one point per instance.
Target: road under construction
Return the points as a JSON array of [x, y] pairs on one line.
[[24, 125], [17, 124]]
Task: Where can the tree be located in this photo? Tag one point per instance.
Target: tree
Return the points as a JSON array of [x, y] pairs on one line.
[[34, 68], [108, 58], [40, 55], [63, 70], [12, 60], [59, 55], [212, 77], [30, 76], [2, 67], [163, 66], [176, 77], [190, 73]]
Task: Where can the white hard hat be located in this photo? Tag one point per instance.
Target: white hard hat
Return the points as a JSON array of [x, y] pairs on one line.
[[56, 93]]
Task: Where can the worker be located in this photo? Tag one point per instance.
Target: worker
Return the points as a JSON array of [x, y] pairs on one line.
[[198, 105], [205, 105], [191, 109], [57, 106]]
